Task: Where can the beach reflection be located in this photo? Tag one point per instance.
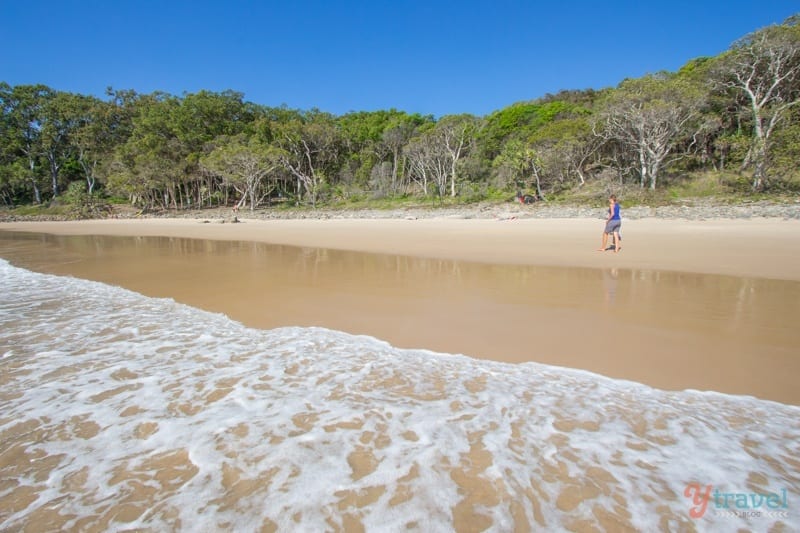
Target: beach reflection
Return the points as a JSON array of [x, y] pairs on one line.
[[666, 329], [610, 276]]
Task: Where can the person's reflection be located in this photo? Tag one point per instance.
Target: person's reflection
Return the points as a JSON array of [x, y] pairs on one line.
[[610, 285]]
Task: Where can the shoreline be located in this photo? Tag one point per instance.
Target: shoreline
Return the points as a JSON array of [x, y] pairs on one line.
[[513, 290], [759, 248]]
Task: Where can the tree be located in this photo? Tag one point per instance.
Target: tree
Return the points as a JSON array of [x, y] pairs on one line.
[[308, 148], [454, 136], [61, 115], [245, 163], [428, 162], [570, 145], [201, 117], [648, 116], [765, 67], [785, 145], [150, 166], [106, 126], [88, 142], [396, 136], [523, 119], [523, 160], [23, 109], [361, 142]]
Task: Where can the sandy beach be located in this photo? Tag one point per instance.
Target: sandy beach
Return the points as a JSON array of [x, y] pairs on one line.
[[685, 305], [763, 248], [298, 387]]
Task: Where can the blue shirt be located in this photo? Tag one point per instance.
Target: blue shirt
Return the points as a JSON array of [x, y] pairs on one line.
[[616, 212]]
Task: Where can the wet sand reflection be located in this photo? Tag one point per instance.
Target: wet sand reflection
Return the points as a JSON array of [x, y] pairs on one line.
[[666, 329]]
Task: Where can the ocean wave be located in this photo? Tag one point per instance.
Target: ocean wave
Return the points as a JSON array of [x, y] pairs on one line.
[[121, 411]]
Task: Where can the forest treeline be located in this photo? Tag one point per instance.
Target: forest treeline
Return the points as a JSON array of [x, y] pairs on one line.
[[735, 116]]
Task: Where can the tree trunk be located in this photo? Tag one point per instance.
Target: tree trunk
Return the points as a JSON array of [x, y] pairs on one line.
[[642, 167], [581, 177], [760, 167], [395, 157], [653, 176], [538, 184], [54, 174], [37, 194]]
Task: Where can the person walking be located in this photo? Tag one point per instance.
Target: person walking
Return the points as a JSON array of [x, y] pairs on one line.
[[613, 225]]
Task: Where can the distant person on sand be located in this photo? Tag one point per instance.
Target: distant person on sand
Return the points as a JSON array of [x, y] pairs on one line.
[[613, 225]]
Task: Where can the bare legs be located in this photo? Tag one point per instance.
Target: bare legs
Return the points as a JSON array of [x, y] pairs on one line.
[[615, 239], [605, 242]]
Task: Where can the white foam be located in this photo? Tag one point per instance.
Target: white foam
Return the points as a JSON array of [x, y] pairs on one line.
[[198, 423]]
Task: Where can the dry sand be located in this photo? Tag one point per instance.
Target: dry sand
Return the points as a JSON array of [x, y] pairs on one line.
[[669, 330]]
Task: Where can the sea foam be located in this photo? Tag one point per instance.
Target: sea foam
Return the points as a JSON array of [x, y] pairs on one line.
[[121, 411]]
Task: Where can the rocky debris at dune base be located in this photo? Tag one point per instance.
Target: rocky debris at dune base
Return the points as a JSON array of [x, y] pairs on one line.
[[508, 211], [512, 211]]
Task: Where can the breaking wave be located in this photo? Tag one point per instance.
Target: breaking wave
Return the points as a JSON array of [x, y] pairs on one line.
[[121, 411]]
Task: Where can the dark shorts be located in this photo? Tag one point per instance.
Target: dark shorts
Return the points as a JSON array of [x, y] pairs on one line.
[[613, 225]]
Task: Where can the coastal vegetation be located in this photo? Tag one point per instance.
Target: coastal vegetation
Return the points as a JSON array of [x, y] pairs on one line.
[[726, 126]]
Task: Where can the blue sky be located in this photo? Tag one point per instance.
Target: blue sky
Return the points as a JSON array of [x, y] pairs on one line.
[[427, 57]]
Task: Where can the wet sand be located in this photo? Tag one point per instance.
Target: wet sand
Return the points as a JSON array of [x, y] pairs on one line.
[[697, 305], [122, 412]]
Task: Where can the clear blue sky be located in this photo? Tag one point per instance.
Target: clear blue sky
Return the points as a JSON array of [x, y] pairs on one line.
[[418, 56]]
